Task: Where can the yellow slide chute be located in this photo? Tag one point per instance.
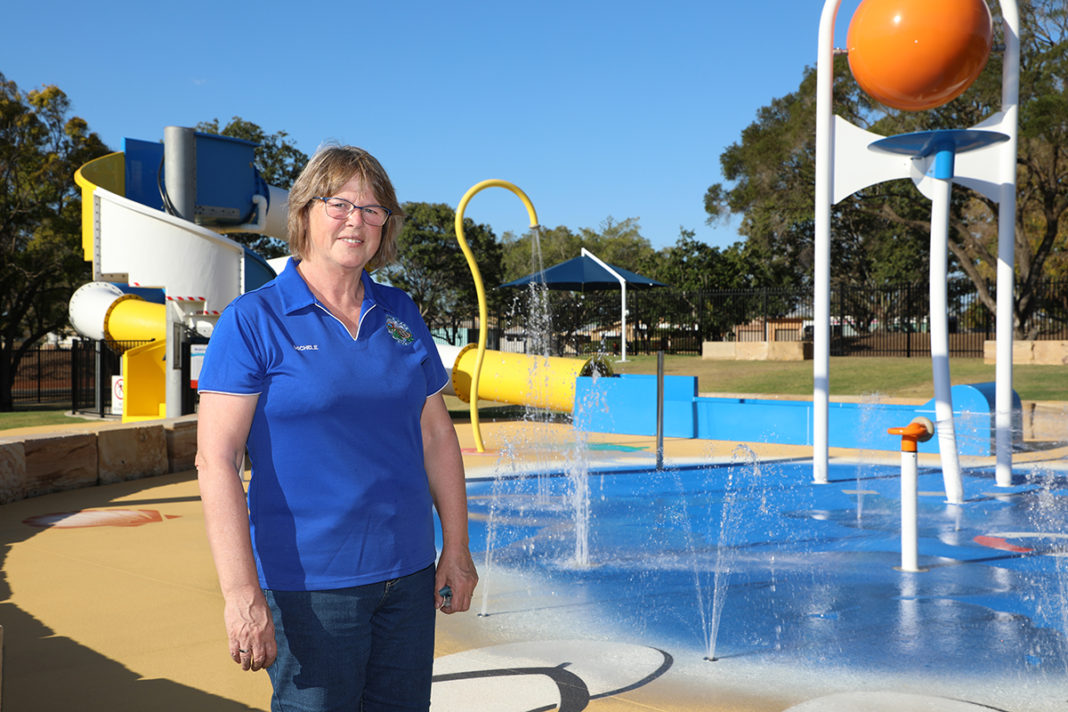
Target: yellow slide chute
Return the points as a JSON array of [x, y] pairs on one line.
[[126, 317], [521, 379], [102, 311], [107, 172]]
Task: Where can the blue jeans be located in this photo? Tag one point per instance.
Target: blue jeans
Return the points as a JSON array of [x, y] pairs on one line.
[[363, 649]]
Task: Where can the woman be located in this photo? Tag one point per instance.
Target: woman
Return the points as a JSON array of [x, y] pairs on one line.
[[333, 383]]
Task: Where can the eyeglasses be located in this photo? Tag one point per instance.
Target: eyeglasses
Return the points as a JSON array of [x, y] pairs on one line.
[[339, 209]]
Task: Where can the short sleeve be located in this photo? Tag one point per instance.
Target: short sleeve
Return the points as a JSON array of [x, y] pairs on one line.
[[232, 361], [437, 378], [434, 372]]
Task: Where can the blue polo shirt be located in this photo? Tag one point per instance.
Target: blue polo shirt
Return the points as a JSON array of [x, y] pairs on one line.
[[339, 494]]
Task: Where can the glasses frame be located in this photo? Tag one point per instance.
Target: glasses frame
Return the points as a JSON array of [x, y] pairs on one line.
[[353, 207]]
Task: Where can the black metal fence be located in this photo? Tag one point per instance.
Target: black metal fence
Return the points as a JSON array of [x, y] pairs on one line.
[[56, 375], [43, 376], [93, 365], [890, 321]]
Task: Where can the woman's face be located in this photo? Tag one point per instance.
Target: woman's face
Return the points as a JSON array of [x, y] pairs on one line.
[[348, 243]]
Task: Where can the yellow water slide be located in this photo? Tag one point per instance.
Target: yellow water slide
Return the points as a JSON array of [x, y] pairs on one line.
[[101, 310], [107, 172], [546, 382], [131, 243]]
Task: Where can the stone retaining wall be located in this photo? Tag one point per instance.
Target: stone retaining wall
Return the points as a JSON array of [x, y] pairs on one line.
[[1050, 353], [756, 350], [32, 465], [1045, 353]]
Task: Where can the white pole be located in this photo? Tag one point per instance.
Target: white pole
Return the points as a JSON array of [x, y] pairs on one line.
[[173, 380], [910, 556], [942, 191], [623, 299], [919, 430], [821, 296], [1010, 91]]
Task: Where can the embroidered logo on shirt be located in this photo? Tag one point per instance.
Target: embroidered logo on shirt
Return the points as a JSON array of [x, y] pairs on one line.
[[399, 330], [306, 347]]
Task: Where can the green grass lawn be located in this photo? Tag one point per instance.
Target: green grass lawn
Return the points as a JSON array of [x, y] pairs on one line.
[[888, 377], [34, 414]]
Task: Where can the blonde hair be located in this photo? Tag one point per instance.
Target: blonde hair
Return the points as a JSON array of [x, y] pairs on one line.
[[330, 168]]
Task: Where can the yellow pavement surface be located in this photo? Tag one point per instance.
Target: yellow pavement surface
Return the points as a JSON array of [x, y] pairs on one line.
[[120, 610]]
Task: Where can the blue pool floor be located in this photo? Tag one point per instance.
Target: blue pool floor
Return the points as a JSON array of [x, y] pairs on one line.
[[751, 563]]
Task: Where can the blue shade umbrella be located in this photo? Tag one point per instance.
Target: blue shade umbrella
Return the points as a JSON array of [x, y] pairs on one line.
[[588, 273], [585, 274]]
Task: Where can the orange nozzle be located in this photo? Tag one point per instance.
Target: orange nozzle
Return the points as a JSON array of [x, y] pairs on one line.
[[919, 430]]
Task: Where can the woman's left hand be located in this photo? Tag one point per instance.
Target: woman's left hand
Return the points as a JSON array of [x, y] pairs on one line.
[[445, 475], [456, 570]]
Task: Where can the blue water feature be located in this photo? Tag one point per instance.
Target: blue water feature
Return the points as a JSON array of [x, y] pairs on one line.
[[629, 407], [810, 583]]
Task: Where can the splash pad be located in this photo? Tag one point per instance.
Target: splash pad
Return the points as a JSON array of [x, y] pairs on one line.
[[798, 583]]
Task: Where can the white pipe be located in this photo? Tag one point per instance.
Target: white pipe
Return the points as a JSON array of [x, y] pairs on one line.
[[821, 301], [942, 190], [1010, 92], [271, 215], [172, 378], [910, 556], [261, 217], [89, 306], [623, 305]]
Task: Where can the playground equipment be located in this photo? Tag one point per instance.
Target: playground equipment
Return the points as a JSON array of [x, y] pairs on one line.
[[151, 218], [918, 54], [506, 377], [480, 290], [919, 430], [982, 158], [162, 272]]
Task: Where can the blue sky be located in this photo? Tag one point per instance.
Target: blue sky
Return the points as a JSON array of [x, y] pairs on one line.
[[593, 108]]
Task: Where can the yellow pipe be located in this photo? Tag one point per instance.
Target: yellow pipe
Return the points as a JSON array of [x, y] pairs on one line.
[[480, 290], [523, 379], [131, 318]]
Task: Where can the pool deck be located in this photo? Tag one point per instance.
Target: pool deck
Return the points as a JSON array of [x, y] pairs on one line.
[[123, 612]]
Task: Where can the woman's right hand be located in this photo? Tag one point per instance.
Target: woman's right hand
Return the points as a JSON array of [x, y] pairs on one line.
[[222, 429], [250, 630]]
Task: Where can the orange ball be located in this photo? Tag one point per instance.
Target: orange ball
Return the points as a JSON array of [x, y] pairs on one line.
[[918, 54]]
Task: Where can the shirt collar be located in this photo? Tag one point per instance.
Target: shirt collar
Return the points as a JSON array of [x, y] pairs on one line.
[[296, 295]]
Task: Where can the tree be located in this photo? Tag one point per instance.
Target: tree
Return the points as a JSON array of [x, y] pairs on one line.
[[1042, 195], [523, 254], [699, 277], [433, 270], [881, 234], [573, 313], [40, 218], [617, 242], [620, 243], [773, 170], [277, 160]]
